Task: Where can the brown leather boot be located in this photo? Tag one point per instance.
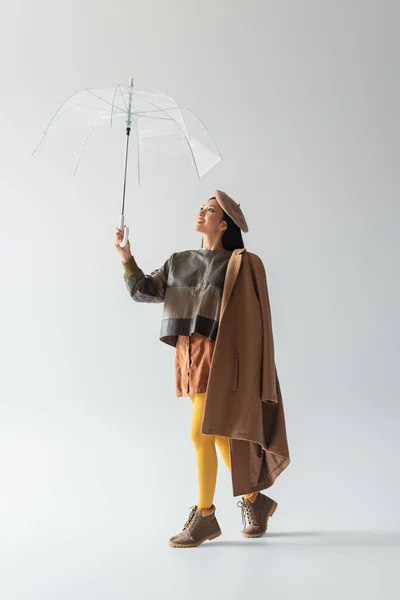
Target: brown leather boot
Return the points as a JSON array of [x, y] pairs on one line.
[[200, 526], [257, 514]]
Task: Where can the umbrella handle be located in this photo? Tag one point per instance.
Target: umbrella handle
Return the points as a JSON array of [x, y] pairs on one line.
[[126, 231]]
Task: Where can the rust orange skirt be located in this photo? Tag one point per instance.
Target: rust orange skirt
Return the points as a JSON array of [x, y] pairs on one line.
[[193, 358]]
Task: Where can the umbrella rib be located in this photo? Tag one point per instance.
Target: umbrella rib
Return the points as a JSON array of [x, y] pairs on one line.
[[113, 104], [138, 154], [163, 110], [177, 107], [85, 142], [122, 96], [54, 116], [92, 108], [112, 108], [156, 109], [102, 99], [50, 123], [151, 117]]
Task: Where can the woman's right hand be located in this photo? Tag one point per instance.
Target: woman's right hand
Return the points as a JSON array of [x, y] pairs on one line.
[[124, 252]]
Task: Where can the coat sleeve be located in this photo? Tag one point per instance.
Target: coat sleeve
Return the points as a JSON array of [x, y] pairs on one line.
[[268, 380], [146, 288]]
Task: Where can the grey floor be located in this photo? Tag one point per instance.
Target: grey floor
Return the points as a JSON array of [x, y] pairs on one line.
[[298, 564]]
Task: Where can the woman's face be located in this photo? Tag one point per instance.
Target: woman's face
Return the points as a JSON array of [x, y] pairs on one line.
[[209, 218]]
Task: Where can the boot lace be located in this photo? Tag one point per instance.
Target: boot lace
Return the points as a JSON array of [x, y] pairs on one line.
[[247, 513], [189, 522]]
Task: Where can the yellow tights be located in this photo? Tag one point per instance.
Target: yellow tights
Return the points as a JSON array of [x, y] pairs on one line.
[[206, 454]]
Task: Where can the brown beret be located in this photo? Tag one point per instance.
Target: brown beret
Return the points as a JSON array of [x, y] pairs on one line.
[[232, 209]]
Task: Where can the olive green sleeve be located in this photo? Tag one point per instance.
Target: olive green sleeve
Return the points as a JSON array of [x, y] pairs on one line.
[[130, 267]]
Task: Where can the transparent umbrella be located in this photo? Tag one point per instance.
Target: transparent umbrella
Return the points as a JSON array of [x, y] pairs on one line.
[[155, 117]]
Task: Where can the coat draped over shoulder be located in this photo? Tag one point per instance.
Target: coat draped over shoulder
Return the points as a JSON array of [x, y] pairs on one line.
[[243, 397]]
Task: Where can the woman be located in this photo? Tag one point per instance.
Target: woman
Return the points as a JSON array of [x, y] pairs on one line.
[[191, 285]]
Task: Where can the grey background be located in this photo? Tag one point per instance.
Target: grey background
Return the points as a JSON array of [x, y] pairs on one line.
[[97, 468]]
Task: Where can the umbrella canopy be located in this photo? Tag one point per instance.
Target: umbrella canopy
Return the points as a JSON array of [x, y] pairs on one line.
[[159, 123]]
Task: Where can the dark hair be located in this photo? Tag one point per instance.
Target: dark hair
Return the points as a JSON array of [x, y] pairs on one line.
[[232, 236]]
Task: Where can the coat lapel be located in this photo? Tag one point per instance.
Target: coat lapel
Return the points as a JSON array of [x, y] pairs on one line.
[[231, 275]]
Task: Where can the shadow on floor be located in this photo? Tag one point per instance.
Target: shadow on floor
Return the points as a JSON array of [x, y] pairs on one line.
[[315, 538]]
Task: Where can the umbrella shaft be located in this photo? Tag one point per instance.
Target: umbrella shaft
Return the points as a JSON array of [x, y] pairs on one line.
[[128, 135]]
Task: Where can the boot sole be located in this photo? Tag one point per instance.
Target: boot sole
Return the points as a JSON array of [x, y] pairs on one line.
[[269, 514], [208, 537]]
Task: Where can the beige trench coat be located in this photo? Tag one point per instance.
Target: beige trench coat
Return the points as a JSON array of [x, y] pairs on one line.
[[243, 397]]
